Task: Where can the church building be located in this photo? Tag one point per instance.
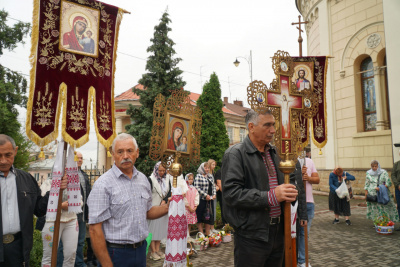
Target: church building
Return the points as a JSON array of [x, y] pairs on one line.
[[363, 124]]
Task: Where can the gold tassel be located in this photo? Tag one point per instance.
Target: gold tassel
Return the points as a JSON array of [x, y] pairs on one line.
[[320, 152], [75, 156], [109, 153], [41, 154]]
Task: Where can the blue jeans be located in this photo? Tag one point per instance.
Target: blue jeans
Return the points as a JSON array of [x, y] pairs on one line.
[[397, 193], [79, 249], [127, 257], [81, 242], [302, 249]]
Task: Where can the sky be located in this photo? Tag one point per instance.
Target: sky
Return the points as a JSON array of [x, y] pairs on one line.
[[208, 36]]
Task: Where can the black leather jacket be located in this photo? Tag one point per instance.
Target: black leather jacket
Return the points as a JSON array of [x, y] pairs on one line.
[[30, 202], [245, 187], [88, 187]]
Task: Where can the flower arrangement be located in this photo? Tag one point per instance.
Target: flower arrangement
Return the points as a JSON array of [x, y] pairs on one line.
[[383, 225], [226, 233], [383, 221]]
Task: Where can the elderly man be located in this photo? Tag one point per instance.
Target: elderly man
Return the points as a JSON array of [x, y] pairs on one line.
[[253, 190], [119, 204], [20, 200]]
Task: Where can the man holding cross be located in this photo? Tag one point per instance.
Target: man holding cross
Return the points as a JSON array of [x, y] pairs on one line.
[[253, 192]]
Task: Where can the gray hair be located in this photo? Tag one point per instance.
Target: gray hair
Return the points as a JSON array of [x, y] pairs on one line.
[[124, 136], [253, 116], [375, 162], [5, 138]]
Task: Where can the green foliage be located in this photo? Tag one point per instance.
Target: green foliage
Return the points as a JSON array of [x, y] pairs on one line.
[[12, 90], [163, 76], [214, 138], [37, 248], [11, 36]]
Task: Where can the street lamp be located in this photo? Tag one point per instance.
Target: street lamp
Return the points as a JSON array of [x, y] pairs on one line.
[[249, 61]]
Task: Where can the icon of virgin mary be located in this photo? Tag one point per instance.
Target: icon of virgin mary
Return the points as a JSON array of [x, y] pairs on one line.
[[176, 135]]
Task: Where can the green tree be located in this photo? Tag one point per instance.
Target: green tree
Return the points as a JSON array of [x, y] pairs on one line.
[[214, 139], [13, 89], [163, 76]]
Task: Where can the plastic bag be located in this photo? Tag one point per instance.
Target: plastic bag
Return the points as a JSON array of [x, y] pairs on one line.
[[342, 190]]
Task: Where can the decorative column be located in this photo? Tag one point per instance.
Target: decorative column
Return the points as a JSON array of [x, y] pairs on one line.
[[379, 100]]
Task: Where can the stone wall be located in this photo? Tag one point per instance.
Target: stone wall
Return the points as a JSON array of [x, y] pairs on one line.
[[357, 185]]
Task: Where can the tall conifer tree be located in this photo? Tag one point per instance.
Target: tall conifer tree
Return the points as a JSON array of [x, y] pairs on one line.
[[214, 139], [163, 76]]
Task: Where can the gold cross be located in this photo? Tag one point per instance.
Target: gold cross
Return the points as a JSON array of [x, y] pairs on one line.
[[300, 38]]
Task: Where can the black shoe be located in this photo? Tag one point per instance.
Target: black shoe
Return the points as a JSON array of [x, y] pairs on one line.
[[348, 222], [335, 221]]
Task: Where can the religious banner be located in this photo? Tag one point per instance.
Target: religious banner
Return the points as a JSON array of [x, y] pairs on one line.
[[73, 55], [310, 73]]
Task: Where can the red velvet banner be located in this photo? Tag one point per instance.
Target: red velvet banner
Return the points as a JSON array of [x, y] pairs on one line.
[[73, 55], [311, 71]]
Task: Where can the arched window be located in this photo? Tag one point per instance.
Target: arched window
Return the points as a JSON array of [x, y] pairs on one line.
[[368, 94]]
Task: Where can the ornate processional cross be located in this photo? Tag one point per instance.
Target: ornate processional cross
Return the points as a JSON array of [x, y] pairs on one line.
[[286, 101]]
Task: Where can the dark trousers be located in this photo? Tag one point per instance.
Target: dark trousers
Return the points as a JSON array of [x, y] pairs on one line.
[[128, 257], [91, 258], [255, 253], [13, 255], [397, 193]]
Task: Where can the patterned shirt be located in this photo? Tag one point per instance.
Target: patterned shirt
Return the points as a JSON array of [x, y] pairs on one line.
[[121, 204], [273, 183]]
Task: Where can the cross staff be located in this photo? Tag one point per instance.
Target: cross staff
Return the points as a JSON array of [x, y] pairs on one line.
[[300, 31]]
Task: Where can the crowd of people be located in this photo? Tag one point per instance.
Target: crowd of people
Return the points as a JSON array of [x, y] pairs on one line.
[[125, 205]]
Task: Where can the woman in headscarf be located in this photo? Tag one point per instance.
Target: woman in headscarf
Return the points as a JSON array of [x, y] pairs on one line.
[[175, 140], [374, 209], [340, 206], [160, 186], [204, 184]]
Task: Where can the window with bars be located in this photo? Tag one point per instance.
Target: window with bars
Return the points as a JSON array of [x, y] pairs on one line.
[[368, 94], [242, 134], [230, 134]]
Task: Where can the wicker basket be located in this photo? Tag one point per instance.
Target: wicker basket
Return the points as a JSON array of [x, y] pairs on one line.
[[227, 238], [384, 230]]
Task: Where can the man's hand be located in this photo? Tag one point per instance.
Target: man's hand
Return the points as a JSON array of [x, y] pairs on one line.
[[208, 197], [64, 182], [64, 205], [214, 197], [286, 192], [303, 223]]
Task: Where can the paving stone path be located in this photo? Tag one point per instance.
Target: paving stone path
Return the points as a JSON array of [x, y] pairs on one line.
[[357, 245]]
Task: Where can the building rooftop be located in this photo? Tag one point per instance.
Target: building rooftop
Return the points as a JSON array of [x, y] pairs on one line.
[[234, 109]]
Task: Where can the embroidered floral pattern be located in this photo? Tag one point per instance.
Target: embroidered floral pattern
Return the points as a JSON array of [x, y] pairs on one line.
[[77, 113], [104, 115], [44, 112]]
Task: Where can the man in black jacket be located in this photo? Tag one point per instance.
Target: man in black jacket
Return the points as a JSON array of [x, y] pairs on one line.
[[20, 200], [253, 190]]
